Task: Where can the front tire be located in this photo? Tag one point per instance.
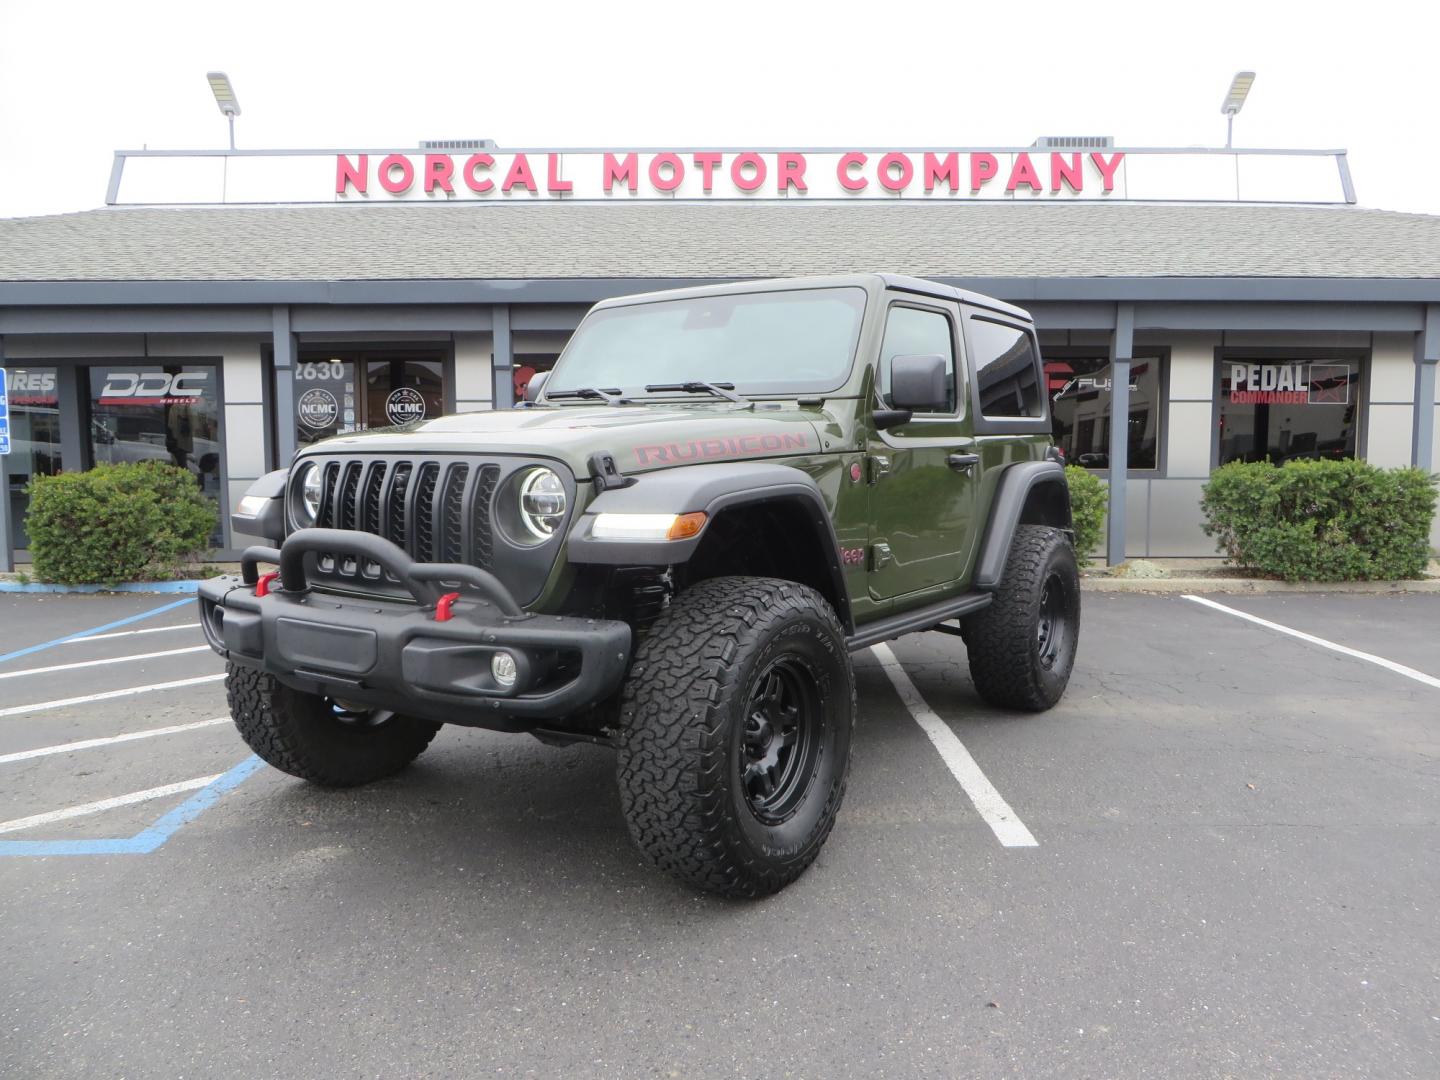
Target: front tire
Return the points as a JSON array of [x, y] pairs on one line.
[[317, 739], [735, 747], [1022, 647]]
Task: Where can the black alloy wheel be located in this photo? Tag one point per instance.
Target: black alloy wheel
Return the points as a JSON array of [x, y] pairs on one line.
[[780, 745]]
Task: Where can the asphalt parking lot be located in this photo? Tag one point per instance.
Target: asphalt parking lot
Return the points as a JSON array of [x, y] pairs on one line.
[[1235, 872]]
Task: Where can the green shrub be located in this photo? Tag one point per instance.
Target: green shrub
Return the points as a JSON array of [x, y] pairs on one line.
[[1321, 520], [1089, 498], [131, 522]]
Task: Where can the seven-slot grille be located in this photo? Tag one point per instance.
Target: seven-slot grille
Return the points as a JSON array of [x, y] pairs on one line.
[[438, 511]]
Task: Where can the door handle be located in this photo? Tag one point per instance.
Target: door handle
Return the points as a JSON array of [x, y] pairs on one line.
[[962, 462]]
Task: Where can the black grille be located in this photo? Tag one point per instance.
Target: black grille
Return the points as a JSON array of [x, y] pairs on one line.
[[438, 511]]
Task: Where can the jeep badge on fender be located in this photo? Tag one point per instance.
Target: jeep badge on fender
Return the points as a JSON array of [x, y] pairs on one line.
[[672, 550]]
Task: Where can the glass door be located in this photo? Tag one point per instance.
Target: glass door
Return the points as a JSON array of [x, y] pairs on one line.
[[34, 439], [336, 394]]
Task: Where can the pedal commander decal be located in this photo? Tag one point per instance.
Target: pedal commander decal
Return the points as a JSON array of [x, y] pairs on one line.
[[730, 446]]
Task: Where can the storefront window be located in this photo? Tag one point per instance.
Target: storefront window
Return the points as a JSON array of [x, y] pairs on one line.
[[143, 411], [1288, 410], [395, 391], [1080, 404], [34, 439]]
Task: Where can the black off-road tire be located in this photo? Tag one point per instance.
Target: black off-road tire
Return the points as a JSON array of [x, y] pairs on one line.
[[694, 754], [300, 733], [1014, 662]]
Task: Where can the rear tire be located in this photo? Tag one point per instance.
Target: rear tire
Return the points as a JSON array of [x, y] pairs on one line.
[[1022, 647], [313, 738], [735, 746]]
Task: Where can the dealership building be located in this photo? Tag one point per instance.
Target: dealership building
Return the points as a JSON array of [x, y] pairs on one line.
[[224, 308]]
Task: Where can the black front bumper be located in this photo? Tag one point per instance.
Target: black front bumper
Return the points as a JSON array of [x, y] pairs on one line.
[[389, 654]]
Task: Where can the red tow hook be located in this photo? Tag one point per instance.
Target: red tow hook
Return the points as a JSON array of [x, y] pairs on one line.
[[262, 587], [443, 606]]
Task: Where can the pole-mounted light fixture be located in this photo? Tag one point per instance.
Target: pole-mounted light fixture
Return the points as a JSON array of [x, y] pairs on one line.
[[225, 98], [1234, 100]]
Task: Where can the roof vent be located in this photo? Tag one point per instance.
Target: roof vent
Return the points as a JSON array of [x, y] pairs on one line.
[[458, 144], [1074, 142]]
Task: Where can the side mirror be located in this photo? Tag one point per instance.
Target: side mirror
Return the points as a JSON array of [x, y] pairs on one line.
[[536, 384], [920, 383]]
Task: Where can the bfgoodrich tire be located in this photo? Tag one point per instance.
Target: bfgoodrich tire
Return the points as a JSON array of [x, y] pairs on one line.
[[1022, 647], [736, 726], [316, 739]]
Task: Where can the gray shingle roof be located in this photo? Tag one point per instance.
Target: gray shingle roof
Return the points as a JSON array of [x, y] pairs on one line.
[[687, 240]]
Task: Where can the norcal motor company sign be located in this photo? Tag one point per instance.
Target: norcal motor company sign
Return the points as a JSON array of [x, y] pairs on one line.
[[448, 175], [704, 174]]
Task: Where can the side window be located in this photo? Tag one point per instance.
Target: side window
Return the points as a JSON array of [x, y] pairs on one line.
[[915, 332], [1007, 371]]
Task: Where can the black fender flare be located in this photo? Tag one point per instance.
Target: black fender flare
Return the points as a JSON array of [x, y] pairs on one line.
[[1007, 509], [712, 489]]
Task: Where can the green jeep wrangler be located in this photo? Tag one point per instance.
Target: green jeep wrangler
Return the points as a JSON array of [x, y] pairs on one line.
[[671, 548]]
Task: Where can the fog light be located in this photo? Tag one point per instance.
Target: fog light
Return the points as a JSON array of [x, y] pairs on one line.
[[504, 669]]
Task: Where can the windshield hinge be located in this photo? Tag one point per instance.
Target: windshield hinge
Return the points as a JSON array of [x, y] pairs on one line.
[[607, 474]]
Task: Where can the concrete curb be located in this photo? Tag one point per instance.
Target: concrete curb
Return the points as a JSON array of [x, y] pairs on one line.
[[126, 587], [1252, 585]]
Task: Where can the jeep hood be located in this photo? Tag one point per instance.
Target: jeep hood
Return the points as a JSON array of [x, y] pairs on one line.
[[639, 437]]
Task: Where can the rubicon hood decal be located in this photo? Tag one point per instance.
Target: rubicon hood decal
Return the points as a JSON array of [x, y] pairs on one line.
[[727, 446]]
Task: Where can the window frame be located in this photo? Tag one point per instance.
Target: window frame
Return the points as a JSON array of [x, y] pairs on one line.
[[1161, 355], [958, 355], [1362, 357], [1006, 425]]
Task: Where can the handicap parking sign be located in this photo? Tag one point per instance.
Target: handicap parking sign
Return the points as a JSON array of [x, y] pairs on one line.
[[4, 412]]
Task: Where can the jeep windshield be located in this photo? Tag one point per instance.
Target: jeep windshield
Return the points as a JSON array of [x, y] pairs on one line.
[[779, 343]]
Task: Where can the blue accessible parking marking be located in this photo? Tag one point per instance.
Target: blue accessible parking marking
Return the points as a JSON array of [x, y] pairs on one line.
[[148, 839], [97, 629]]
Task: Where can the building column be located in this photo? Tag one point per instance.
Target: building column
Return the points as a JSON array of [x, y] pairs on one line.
[[503, 365], [286, 348], [1122, 348], [7, 549], [1427, 358]]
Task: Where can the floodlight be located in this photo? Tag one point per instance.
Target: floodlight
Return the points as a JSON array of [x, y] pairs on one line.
[[1239, 90], [225, 98]]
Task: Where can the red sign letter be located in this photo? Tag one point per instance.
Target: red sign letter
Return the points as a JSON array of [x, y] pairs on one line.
[[737, 172], [1024, 172], [470, 173], [1107, 171], [983, 168], [407, 174], [891, 182], [706, 163], [626, 171], [842, 172], [946, 169], [357, 175], [520, 175], [658, 179], [553, 183], [1072, 173], [791, 172], [437, 173]]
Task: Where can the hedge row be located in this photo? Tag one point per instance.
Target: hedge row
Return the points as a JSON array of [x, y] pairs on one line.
[[138, 521]]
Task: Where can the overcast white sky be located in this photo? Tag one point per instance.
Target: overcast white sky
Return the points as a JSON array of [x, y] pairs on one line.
[[80, 79]]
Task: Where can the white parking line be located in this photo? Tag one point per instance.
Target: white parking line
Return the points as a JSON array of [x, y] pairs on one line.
[[89, 744], [18, 710], [1389, 665], [105, 804], [127, 633], [98, 663], [1007, 827]]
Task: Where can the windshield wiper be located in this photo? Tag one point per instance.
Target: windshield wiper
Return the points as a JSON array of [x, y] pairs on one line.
[[610, 395], [724, 390]]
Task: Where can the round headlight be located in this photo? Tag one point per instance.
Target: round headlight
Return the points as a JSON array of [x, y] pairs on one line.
[[307, 507], [542, 503]]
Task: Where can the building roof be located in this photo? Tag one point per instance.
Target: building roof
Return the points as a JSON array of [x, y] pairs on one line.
[[727, 240]]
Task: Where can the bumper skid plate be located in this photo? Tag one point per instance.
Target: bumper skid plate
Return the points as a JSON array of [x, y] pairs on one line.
[[389, 654]]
